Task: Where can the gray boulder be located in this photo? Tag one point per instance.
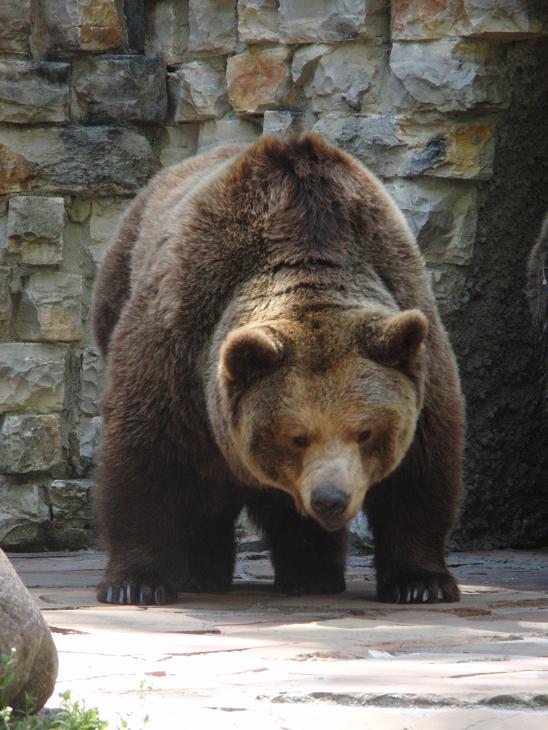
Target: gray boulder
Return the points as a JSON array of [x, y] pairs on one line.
[[23, 628]]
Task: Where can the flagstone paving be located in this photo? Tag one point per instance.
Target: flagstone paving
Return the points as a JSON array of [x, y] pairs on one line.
[[255, 659]]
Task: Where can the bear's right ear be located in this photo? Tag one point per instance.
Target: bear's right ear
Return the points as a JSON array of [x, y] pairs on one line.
[[249, 352], [396, 340]]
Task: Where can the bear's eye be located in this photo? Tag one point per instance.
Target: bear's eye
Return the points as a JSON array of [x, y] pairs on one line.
[[364, 436], [301, 441]]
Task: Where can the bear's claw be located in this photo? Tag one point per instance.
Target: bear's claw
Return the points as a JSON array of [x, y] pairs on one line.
[[420, 588], [131, 592]]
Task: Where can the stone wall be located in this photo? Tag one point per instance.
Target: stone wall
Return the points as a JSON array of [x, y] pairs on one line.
[[97, 95]]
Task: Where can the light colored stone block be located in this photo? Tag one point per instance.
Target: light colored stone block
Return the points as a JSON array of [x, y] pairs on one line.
[[105, 217], [346, 78], [305, 61], [446, 75], [449, 286], [32, 377], [50, 307], [312, 21], [89, 432], [258, 21], [495, 19], [227, 131], [399, 146], [167, 30], [177, 143], [99, 160], [442, 215], [15, 26], [259, 79], [120, 89], [33, 92], [92, 378], [198, 91], [24, 512], [35, 229], [30, 444], [213, 27]]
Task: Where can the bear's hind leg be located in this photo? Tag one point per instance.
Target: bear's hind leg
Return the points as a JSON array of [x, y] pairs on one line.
[[212, 553], [306, 558]]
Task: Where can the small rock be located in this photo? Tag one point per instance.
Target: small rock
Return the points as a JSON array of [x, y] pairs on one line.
[[119, 89], [227, 131], [89, 433], [449, 286], [50, 307], [213, 27], [14, 26], [167, 30], [305, 61], [33, 92], [32, 377], [446, 75], [259, 79], [62, 27], [258, 21], [198, 92], [75, 160], [30, 444], [278, 122], [35, 229], [23, 628]]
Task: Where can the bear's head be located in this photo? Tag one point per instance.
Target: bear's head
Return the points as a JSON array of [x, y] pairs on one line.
[[321, 408]]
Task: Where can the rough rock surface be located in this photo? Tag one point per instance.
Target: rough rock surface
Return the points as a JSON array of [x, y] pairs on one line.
[[62, 27], [119, 89], [90, 160], [167, 29], [35, 229], [33, 92], [198, 91], [258, 21], [14, 26], [259, 79], [32, 377], [213, 27], [312, 21], [30, 444], [23, 628], [447, 75], [50, 307], [495, 19]]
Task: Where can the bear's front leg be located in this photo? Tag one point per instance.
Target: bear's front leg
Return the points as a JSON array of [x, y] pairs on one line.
[[141, 518], [411, 514], [306, 558]]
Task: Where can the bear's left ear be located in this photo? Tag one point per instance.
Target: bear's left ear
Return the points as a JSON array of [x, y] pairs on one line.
[[397, 339], [249, 352]]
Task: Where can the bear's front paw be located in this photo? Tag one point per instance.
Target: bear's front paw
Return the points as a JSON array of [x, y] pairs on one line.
[[419, 587], [320, 585], [136, 592]]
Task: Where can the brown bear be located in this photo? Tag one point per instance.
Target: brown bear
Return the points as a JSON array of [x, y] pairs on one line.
[[272, 342]]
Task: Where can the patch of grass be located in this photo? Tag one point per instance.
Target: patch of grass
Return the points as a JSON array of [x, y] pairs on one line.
[[71, 715]]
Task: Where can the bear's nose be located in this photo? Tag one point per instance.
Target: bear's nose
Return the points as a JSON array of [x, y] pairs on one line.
[[329, 502]]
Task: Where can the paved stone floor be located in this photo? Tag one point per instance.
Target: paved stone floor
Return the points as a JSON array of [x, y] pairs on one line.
[[254, 659]]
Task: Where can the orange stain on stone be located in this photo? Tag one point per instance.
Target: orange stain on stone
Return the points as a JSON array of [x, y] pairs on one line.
[[255, 80], [100, 27], [15, 171]]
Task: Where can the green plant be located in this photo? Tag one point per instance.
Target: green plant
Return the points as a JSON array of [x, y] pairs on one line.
[[71, 715]]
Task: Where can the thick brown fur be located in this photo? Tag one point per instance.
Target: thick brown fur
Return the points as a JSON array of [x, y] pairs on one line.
[[250, 293]]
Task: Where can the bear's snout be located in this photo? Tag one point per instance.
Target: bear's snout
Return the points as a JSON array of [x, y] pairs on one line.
[[329, 503]]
